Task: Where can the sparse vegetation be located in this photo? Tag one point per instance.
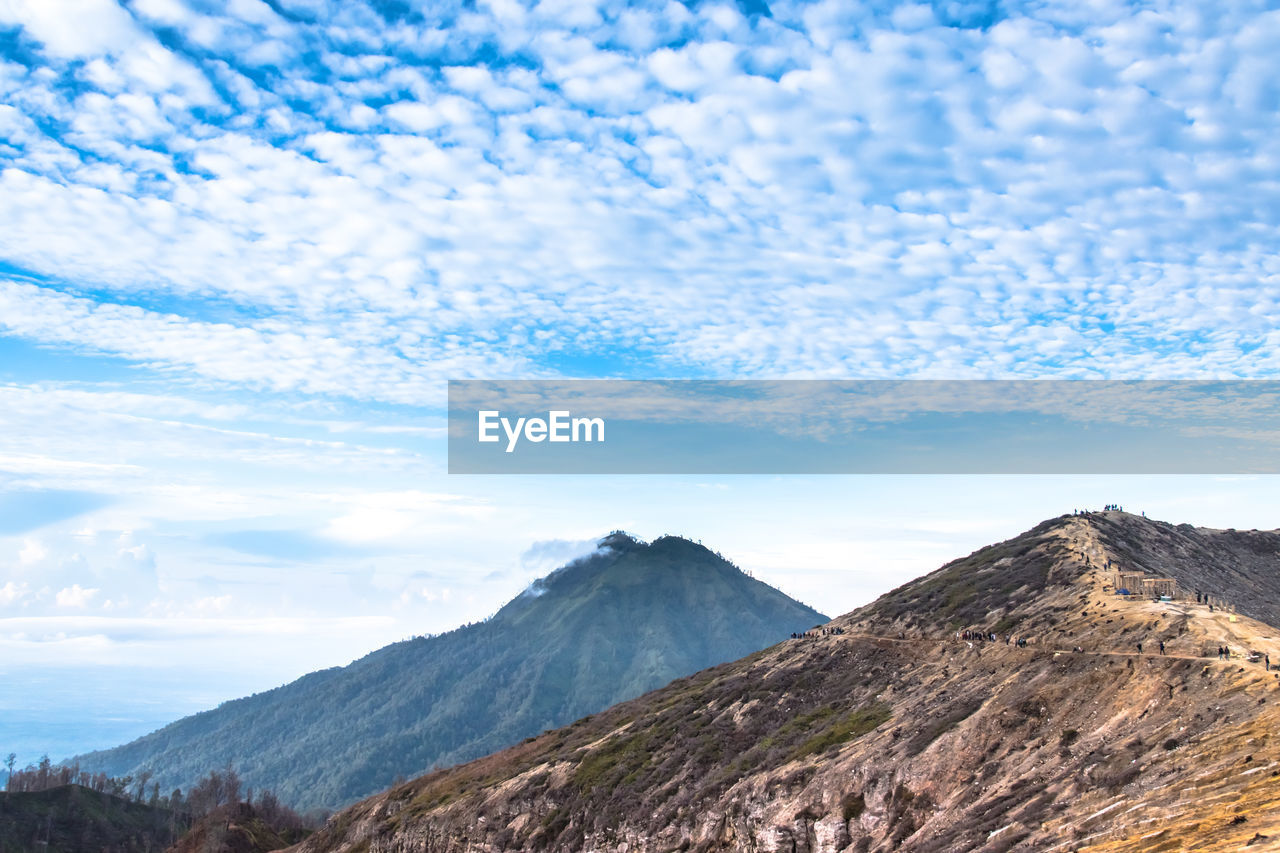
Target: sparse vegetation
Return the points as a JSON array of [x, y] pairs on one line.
[[853, 805], [933, 729], [961, 592], [55, 808], [846, 728], [72, 818]]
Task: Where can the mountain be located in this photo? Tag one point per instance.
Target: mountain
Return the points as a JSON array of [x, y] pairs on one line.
[[626, 619], [897, 728]]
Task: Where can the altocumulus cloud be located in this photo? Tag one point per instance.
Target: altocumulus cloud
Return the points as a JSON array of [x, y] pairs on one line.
[[338, 199]]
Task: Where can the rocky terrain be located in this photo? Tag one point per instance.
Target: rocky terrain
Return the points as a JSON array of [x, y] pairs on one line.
[[895, 728], [1239, 566]]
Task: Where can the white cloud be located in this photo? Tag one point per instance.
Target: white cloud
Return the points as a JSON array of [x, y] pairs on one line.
[[12, 593], [76, 596], [678, 184], [33, 552], [73, 28]]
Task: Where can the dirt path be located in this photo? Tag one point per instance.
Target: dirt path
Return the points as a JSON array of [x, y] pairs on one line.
[[978, 644]]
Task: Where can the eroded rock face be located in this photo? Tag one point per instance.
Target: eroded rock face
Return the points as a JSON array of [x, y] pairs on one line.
[[897, 734]]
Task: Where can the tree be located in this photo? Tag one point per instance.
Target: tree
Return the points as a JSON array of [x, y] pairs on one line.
[[214, 790], [141, 785], [231, 784], [119, 787], [9, 761]]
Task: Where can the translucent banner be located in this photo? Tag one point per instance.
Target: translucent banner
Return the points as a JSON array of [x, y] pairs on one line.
[[864, 427]]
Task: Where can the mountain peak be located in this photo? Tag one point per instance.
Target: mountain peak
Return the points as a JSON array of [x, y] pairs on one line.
[[993, 588], [610, 625], [1124, 722], [619, 539], [621, 558], [1064, 582], [1238, 568]]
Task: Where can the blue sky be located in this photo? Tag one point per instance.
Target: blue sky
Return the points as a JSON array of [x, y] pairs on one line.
[[245, 244]]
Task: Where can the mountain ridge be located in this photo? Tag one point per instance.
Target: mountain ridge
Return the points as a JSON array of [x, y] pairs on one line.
[[613, 624], [1117, 724]]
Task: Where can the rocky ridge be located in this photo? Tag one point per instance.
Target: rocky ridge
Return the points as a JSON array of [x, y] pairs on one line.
[[895, 729]]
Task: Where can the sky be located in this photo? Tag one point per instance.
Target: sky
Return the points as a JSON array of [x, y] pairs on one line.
[[246, 244]]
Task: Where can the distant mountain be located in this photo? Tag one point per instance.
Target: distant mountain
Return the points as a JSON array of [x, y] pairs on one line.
[[626, 619], [1093, 721]]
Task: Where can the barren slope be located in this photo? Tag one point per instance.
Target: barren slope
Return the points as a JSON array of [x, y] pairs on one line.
[[897, 735]]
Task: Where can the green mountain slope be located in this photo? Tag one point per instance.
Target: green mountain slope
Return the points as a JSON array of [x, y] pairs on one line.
[[73, 819], [627, 619]]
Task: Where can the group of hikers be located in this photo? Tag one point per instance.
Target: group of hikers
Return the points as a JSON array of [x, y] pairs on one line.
[[816, 632], [992, 637], [973, 635], [1224, 653], [1203, 598], [1107, 508]]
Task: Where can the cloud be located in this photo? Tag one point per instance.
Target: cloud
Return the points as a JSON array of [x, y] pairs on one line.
[[545, 556], [943, 189], [101, 26], [57, 436], [12, 592], [32, 552], [76, 596], [244, 247], [371, 518]]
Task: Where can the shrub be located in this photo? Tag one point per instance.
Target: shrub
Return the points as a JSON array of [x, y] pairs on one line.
[[852, 725], [852, 806]]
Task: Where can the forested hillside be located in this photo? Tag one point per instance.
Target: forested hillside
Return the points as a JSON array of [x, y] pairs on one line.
[[629, 618]]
